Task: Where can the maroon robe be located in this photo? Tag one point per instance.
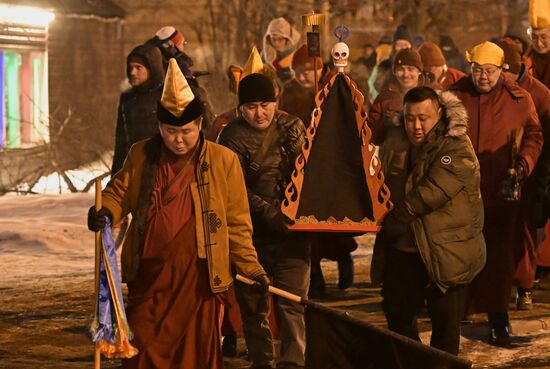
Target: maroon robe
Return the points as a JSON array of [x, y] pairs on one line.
[[451, 77], [219, 124], [493, 116], [543, 251], [297, 100], [538, 65], [534, 249], [171, 309]]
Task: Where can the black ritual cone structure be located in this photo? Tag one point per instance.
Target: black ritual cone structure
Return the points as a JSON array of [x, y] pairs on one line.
[[336, 185]]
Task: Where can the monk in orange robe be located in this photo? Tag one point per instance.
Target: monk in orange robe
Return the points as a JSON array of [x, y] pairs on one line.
[[190, 223]]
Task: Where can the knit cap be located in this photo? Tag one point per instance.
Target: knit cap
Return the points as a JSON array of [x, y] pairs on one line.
[[256, 87], [431, 55], [407, 57]]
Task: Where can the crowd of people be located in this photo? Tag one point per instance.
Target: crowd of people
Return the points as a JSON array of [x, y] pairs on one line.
[[462, 147]]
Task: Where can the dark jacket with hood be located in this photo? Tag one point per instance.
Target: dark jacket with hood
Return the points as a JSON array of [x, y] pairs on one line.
[[185, 63], [266, 188], [137, 107], [442, 203]]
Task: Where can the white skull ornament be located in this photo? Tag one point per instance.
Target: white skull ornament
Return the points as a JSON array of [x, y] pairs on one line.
[[340, 55]]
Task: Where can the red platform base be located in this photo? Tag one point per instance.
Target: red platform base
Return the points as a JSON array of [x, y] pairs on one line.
[[340, 228]]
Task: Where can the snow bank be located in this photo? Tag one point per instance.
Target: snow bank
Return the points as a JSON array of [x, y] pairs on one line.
[[44, 236]]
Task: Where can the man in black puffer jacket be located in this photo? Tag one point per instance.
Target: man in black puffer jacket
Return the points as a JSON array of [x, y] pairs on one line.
[[267, 143], [137, 107]]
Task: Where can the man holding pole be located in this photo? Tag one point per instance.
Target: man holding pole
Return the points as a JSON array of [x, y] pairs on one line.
[[267, 143], [190, 222]]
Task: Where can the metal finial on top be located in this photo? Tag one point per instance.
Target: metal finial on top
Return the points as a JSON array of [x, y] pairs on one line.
[[341, 32]]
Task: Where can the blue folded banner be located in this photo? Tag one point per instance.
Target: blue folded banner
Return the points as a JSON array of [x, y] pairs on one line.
[[110, 330]]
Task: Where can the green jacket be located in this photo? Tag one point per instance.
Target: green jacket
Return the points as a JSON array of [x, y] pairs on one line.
[[442, 202], [222, 217]]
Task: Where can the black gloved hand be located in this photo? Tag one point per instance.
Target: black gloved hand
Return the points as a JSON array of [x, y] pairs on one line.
[[393, 227], [396, 223], [96, 219], [280, 222], [262, 283]]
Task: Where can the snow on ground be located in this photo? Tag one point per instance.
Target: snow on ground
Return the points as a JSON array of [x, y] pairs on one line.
[[44, 236], [54, 184], [46, 285]]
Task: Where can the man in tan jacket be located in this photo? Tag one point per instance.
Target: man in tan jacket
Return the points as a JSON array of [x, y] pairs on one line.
[[190, 221]]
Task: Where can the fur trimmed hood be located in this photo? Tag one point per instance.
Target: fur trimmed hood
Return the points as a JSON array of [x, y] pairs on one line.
[[455, 114]]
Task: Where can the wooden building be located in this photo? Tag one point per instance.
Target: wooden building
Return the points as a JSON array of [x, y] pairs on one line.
[[62, 64]]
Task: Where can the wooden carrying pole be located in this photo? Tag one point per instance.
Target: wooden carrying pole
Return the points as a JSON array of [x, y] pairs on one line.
[[98, 205], [313, 39], [273, 290]]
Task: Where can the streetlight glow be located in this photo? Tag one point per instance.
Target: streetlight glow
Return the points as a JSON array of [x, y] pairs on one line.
[[25, 15]]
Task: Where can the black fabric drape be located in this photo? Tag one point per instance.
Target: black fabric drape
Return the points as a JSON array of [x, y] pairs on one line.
[[334, 180], [336, 340]]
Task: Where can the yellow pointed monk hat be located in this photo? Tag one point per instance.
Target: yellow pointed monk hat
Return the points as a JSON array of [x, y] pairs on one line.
[[254, 64], [178, 105], [486, 53], [539, 13], [383, 52]]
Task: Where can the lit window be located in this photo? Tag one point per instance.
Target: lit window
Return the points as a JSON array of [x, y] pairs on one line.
[[24, 115]]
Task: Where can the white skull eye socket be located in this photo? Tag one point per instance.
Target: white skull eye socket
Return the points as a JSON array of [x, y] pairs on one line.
[[344, 54], [337, 54]]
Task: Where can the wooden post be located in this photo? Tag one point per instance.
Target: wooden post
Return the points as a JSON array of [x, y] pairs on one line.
[[313, 41], [98, 205], [316, 30]]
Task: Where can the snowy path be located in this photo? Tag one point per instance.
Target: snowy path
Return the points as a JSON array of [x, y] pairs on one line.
[[46, 284]]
